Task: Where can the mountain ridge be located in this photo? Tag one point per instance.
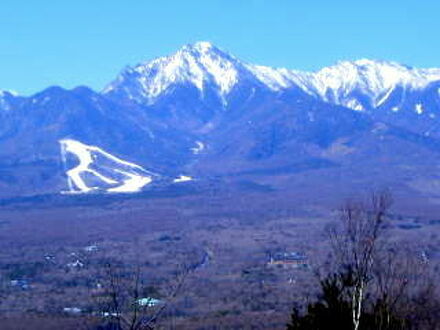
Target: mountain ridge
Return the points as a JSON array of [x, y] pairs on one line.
[[204, 64], [214, 116]]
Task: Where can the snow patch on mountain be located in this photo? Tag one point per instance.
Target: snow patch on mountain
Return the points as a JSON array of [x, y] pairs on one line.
[[355, 105], [274, 79], [200, 146], [384, 97], [183, 178], [98, 170]]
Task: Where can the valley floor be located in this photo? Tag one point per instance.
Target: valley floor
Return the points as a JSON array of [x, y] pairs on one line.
[[54, 260]]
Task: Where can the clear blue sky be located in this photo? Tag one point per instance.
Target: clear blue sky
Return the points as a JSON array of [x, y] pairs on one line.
[[79, 42]]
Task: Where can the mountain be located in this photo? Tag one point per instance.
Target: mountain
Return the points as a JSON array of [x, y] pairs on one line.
[[366, 84], [358, 85], [211, 72], [30, 154], [194, 86], [205, 80], [204, 113]]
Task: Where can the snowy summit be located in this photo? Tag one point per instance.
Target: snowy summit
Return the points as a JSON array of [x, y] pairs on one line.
[[199, 65], [203, 66]]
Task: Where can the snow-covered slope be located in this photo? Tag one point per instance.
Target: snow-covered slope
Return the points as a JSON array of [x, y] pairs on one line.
[[97, 170], [365, 83], [359, 85], [200, 65]]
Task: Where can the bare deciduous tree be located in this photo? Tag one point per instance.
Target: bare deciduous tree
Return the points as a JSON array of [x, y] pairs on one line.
[[122, 302], [355, 243]]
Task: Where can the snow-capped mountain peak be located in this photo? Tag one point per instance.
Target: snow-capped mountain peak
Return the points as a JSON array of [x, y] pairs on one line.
[[200, 65], [370, 78], [375, 76], [360, 85], [202, 47]]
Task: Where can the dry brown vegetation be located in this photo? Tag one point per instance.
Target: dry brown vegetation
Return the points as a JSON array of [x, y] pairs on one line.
[[234, 287]]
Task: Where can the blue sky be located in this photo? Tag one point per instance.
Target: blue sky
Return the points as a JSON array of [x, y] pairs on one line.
[[78, 42]]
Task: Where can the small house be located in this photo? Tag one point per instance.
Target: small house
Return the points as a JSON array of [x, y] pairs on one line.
[[76, 264], [148, 302], [22, 284], [288, 260]]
